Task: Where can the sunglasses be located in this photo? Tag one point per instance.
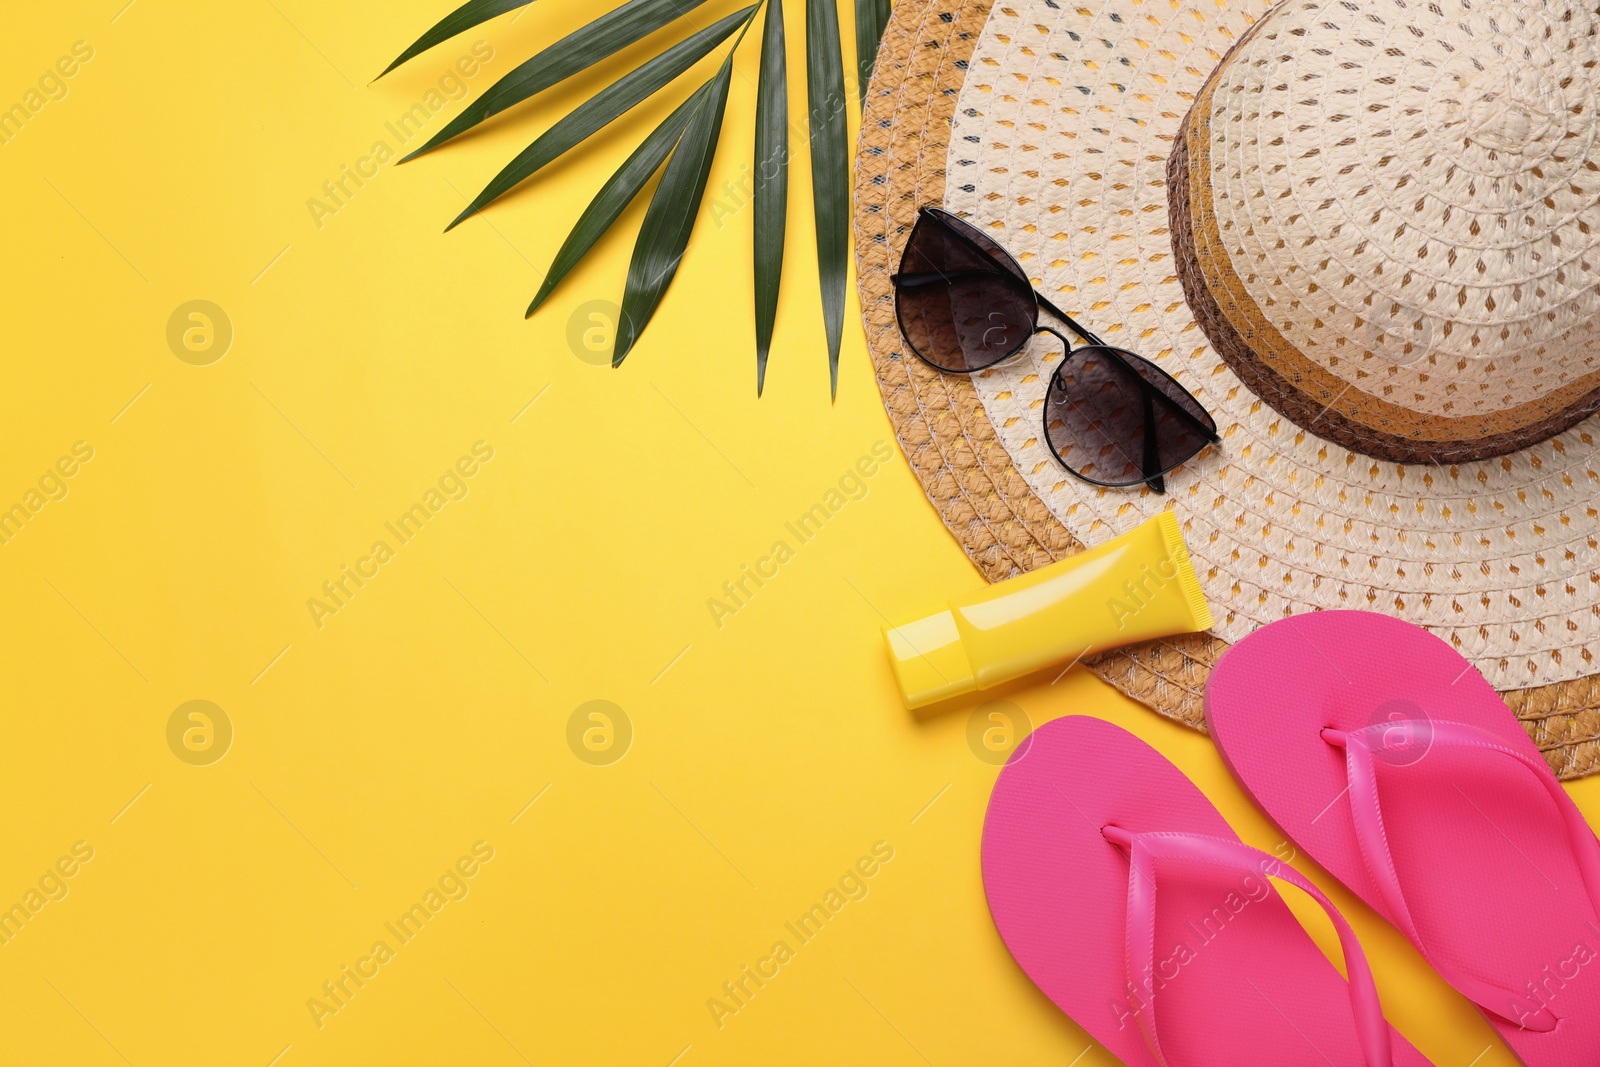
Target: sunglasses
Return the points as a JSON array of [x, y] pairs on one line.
[[1112, 418]]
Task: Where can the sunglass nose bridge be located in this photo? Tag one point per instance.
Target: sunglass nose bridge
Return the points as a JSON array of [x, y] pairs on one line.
[[1066, 342]]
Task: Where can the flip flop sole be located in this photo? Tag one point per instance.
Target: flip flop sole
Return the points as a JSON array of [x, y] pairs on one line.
[[1485, 865], [1236, 979]]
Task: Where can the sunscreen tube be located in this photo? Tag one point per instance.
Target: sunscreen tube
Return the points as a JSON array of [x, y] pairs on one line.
[[1134, 587]]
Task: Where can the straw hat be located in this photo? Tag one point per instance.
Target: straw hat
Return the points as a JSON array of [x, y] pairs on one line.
[[1362, 232]]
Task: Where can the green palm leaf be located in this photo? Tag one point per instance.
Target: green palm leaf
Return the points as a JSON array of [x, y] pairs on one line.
[[682, 147], [771, 191], [604, 107], [574, 53], [615, 196], [460, 20], [871, 17], [671, 215], [830, 168]]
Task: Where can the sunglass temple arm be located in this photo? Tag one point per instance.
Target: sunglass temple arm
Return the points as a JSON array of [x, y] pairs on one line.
[[1152, 453]]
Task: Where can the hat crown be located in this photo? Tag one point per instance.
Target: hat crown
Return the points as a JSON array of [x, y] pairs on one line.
[[1408, 194], [1501, 111], [1504, 85]]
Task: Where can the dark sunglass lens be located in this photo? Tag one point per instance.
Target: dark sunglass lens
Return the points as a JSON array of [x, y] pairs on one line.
[[1104, 404], [959, 308], [981, 239]]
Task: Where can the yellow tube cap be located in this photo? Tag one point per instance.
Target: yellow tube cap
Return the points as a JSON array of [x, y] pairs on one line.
[[929, 662]]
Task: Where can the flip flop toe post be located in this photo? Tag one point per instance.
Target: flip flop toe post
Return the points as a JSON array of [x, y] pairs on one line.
[[1128, 900], [1382, 753]]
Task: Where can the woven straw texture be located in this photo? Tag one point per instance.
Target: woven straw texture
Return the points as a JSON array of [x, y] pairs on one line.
[[1051, 125]]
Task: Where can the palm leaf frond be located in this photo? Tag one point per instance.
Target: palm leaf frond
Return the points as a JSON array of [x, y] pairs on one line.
[[771, 189], [604, 107], [460, 20], [871, 17], [830, 169], [615, 196], [573, 54], [682, 146], [671, 215]]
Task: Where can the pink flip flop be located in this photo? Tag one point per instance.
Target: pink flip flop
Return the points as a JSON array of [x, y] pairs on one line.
[[1087, 829], [1381, 752]]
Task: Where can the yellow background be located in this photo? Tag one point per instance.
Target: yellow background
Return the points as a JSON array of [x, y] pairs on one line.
[[369, 353]]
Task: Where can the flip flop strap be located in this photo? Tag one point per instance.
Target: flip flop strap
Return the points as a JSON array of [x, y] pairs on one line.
[[1367, 817], [1372, 1031]]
